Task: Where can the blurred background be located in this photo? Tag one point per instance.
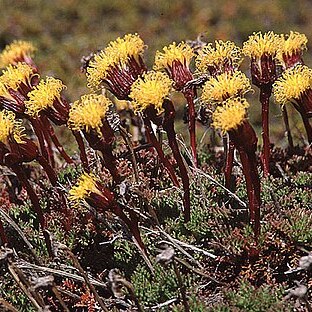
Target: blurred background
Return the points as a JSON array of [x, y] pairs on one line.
[[65, 30]]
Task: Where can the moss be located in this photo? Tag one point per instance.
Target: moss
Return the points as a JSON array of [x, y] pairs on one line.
[[251, 299]]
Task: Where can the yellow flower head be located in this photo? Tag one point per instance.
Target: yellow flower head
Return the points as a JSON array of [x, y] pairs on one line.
[[181, 52], [43, 95], [14, 75], [230, 115], [85, 185], [15, 52], [88, 112], [292, 84], [224, 86], [224, 52], [259, 44], [291, 44], [117, 53], [9, 126], [151, 89]]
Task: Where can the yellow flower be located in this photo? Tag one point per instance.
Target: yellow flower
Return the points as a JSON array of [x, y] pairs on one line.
[[291, 44], [230, 115], [259, 44], [16, 51], [10, 126], [43, 95], [88, 112], [224, 53], [226, 85], [292, 84], [85, 185], [181, 52], [151, 89], [117, 53], [14, 75]]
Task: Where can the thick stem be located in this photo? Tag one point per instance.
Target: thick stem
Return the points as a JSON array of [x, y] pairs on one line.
[[39, 133], [265, 93], [18, 170], [105, 147], [153, 140], [171, 134], [229, 164], [55, 140], [128, 142], [253, 188], [47, 140], [53, 179], [287, 128], [83, 154], [48, 169], [249, 185], [256, 185], [189, 96]]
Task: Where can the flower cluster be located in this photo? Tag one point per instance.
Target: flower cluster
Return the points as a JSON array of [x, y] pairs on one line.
[[17, 51], [118, 74], [150, 90], [117, 66], [221, 57]]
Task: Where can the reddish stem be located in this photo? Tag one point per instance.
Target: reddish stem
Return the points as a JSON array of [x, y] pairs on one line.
[[20, 173], [265, 93], [229, 164], [256, 185], [53, 179], [189, 96], [153, 140], [245, 141], [104, 145], [48, 169], [253, 197], [41, 139], [46, 136], [168, 125], [83, 154], [107, 151], [55, 140]]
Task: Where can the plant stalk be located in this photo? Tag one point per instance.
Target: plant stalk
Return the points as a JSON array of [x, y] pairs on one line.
[[168, 125], [153, 140], [265, 93], [189, 96]]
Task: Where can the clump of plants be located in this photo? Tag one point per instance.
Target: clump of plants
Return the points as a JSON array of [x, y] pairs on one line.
[[138, 198]]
